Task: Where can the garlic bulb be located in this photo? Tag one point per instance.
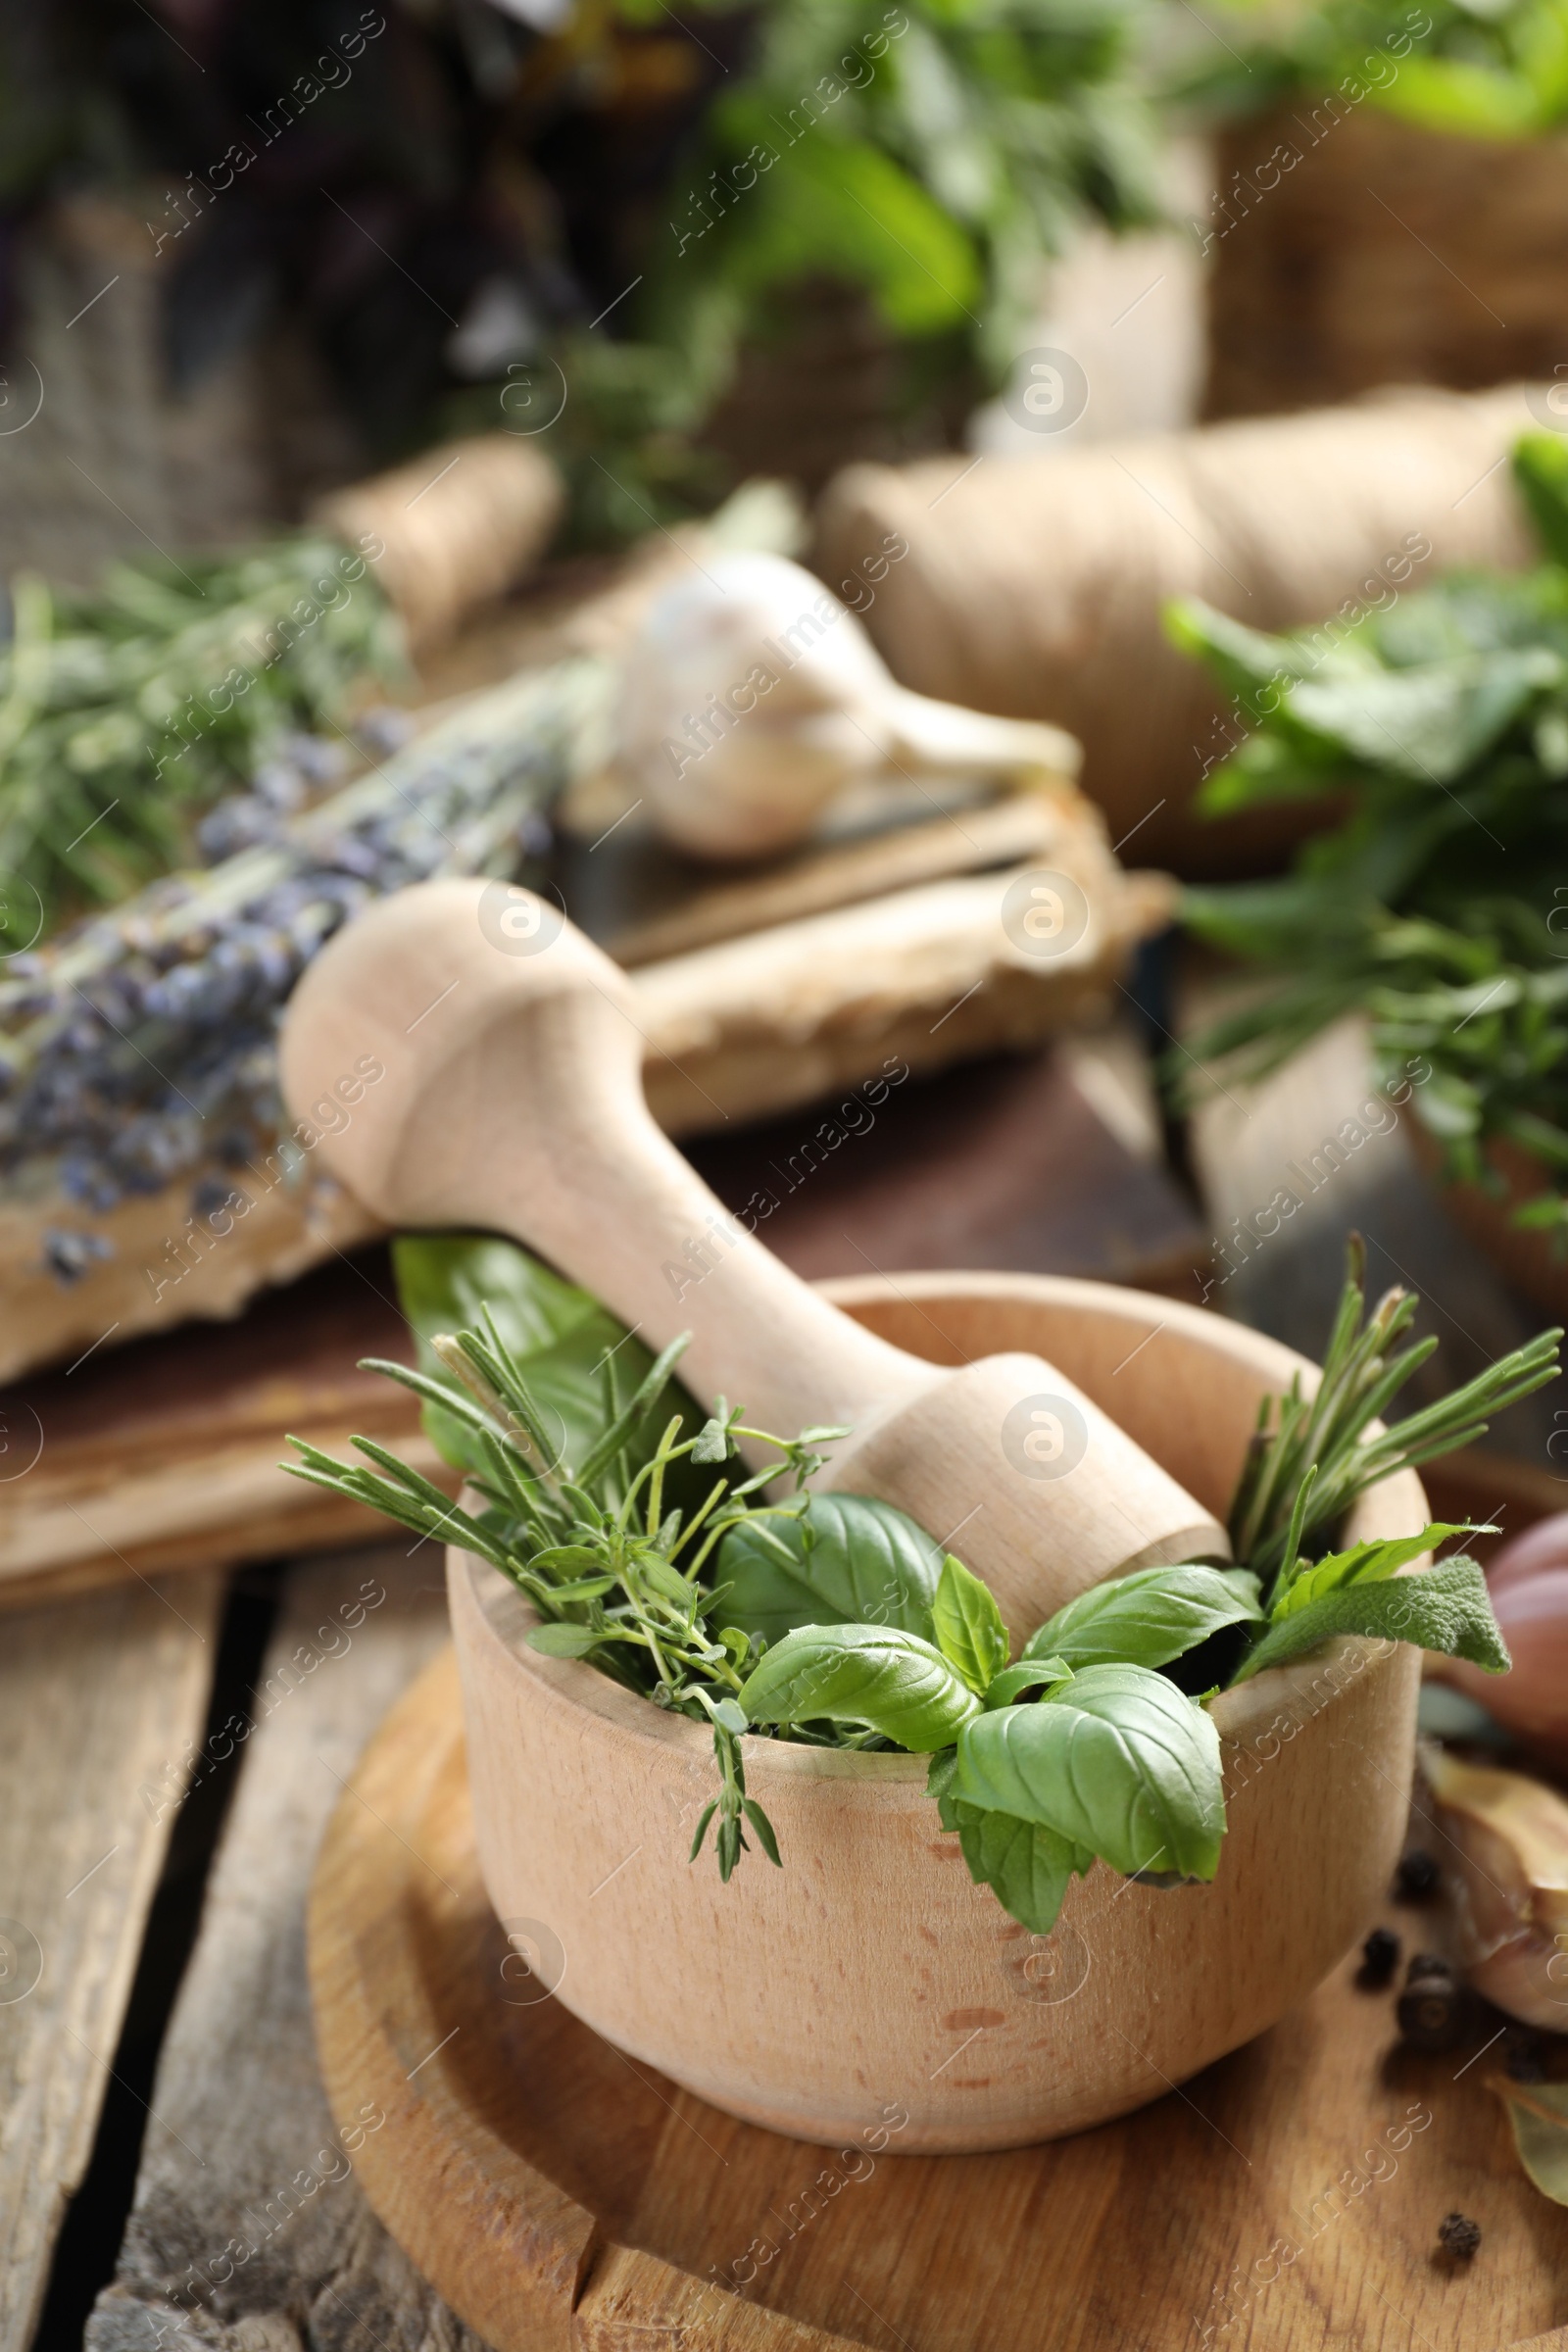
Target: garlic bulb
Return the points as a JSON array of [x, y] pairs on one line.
[[1528, 1581], [752, 696], [1533, 1552], [1509, 1859]]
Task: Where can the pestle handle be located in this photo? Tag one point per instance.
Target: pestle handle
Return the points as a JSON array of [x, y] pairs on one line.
[[511, 1100]]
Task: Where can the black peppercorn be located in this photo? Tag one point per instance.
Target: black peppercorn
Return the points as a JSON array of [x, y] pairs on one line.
[[1416, 1878], [1458, 2234], [1379, 1958], [1430, 2008]]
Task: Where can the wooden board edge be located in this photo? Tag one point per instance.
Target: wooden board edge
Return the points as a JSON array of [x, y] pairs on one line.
[[521, 2297], [637, 2302], [319, 1525]]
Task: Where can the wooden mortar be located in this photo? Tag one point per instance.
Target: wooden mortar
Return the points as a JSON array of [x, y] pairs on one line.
[[807, 1998]]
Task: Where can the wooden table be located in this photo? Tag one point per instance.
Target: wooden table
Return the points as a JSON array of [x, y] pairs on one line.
[[156, 2059]]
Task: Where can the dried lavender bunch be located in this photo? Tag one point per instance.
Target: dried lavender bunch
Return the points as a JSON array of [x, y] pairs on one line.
[[141, 1046]]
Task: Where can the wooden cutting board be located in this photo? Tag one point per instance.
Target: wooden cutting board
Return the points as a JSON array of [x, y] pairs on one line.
[[558, 2195]]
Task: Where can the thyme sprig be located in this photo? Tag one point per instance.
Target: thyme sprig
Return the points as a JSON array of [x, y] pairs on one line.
[[615, 1576]]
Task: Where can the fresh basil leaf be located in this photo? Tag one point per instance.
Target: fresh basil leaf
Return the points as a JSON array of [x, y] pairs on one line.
[[898, 1683], [1117, 1760], [1028, 1868], [1362, 1564], [968, 1625], [565, 1641], [1033, 1674], [559, 1335], [1147, 1618], [1445, 1608], [846, 1559], [939, 1786]]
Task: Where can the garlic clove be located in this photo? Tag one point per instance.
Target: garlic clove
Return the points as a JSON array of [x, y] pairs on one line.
[[1539, 1548], [1531, 1699], [1510, 1867], [943, 736], [752, 698]]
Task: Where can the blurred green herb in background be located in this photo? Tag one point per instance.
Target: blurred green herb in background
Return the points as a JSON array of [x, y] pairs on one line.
[[1439, 905], [1479, 68]]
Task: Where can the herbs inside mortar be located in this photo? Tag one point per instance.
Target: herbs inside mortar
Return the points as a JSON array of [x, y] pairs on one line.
[[652, 1550]]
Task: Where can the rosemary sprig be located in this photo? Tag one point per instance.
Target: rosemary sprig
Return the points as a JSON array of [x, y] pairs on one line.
[[124, 712]]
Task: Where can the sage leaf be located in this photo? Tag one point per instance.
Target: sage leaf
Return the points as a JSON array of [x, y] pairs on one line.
[[1362, 1564], [565, 1641], [846, 1559], [1118, 1760], [1539, 2114], [1443, 1608], [968, 1627], [1028, 1868], [898, 1683], [1147, 1618]]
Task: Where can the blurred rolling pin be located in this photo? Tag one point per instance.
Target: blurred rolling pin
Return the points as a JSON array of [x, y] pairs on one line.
[[736, 1028], [1034, 586], [459, 524], [511, 1100]]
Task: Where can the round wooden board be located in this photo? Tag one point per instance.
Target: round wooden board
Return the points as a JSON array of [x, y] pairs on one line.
[[559, 2195]]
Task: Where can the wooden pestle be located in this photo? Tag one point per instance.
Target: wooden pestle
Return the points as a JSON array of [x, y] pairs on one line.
[[512, 1101]]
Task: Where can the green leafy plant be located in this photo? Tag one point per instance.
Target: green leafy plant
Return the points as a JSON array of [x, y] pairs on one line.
[[926, 155], [1497, 70], [1432, 907], [650, 1550]]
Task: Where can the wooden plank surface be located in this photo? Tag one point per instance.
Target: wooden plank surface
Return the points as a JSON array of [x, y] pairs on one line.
[[1287, 2199], [163, 1455], [99, 1712], [230, 2244]]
